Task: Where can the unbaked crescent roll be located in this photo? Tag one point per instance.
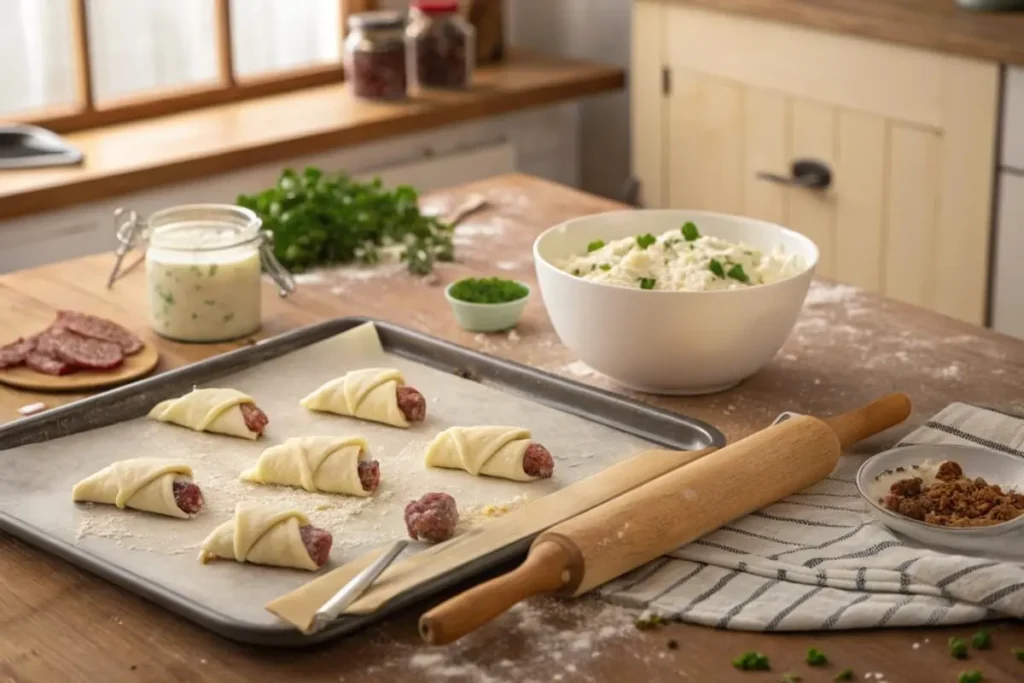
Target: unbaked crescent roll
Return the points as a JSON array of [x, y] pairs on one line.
[[149, 484], [368, 394], [333, 464], [268, 535], [491, 450], [224, 411]]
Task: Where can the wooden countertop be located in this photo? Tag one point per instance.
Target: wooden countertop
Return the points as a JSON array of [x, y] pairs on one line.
[[145, 154], [937, 25], [60, 623]]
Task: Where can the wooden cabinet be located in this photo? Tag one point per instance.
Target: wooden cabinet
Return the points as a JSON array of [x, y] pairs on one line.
[[909, 137]]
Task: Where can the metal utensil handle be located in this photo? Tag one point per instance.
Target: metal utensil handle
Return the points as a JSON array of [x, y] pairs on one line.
[[351, 591], [128, 235], [272, 267]]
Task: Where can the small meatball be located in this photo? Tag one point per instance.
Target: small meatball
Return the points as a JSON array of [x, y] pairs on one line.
[[432, 518], [318, 543], [907, 487], [188, 496], [369, 474], [255, 419], [537, 461], [412, 404], [949, 471]]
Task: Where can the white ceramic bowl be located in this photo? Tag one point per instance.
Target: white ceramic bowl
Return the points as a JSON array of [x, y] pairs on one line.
[[998, 540], [670, 342]]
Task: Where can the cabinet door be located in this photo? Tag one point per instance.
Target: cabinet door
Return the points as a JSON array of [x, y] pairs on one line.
[[1008, 284], [909, 136]]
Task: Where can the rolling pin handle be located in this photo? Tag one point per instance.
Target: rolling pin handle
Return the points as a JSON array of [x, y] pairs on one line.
[[544, 570], [871, 419]]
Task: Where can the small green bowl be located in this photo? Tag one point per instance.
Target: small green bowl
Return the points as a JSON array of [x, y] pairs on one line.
[[487, 317]]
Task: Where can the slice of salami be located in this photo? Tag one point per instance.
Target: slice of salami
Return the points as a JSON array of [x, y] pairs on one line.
[[48, 365], [16, 352], [99, 328], [188, 496], [318, 543], [83, 352]]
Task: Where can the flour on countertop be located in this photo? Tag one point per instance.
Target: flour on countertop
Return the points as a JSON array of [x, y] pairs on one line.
[[831, 293], [562, 636], [580, 369]]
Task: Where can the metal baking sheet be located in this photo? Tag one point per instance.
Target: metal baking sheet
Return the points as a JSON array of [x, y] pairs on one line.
[[586, 429]]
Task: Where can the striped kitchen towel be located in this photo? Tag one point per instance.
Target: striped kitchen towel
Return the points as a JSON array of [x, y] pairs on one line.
[[816, 561]]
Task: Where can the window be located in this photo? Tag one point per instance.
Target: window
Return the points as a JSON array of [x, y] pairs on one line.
[[72, 64]]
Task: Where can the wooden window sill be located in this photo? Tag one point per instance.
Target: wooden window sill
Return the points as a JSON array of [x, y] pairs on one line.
[[145, 154]]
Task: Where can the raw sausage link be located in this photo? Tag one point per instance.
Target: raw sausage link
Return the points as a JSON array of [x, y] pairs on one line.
[[369, 474], [83, 352], [188, 496], [40, 362], [99, 328], [412, 404], [318, 543], [432, 518], [537, 461], [16, 352], [255, 419]]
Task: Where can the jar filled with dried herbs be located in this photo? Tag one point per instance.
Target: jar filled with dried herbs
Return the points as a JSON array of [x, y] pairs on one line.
[[440, 45], [375, 55]]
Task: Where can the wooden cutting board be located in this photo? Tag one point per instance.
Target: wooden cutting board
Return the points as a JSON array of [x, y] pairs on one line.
[[134, 367]]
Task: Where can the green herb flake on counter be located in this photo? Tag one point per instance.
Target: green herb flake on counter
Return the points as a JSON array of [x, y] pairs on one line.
[[595, 245], [816, 657], [648, 622], [752, 661], [981, 640], [647, 282], [715, 266], [970, 677], [844, 675], [690, 232], [644, 241], [957, 647], [487, 290], [1018, 652], [320, 219]]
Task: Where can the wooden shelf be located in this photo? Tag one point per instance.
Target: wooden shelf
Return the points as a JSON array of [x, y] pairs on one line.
[[145, 154]]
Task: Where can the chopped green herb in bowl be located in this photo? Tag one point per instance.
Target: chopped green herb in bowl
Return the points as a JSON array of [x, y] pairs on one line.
[[488, 304]]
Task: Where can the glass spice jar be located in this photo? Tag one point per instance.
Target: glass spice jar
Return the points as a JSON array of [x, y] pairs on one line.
[[375, 55], [441, 45]]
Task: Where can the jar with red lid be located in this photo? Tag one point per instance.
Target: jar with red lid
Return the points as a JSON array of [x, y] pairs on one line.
[[375, 60], [441, 45]]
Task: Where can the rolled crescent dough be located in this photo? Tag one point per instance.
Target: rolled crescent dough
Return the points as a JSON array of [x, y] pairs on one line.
[[491, 450], [141, 484], [315, 463], [260, 534], [207, 410], [369, 394]]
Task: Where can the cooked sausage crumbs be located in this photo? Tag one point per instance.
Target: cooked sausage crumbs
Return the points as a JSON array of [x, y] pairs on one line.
[[953, 500]]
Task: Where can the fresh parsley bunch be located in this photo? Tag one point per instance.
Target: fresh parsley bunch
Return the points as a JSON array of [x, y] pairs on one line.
[[320, 219]]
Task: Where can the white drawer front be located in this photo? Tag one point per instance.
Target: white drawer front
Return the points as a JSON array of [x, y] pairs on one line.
[[1008, 289], [1013, 119]]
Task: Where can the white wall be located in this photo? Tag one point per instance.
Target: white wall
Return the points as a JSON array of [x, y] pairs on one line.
[[597, 30]]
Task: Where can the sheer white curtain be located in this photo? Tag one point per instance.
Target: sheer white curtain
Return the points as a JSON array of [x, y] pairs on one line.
[[142, 45]]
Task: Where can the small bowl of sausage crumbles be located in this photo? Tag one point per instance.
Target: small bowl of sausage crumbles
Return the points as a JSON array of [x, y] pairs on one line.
[[488, 304], [963, 498]]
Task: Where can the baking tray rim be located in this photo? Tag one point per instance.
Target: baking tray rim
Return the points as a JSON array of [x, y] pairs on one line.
[[283, 634]]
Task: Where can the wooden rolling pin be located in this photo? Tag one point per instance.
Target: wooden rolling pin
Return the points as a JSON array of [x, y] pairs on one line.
[[676, 508]]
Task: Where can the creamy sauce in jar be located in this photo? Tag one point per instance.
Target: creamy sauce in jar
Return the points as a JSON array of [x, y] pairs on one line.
[[204, 280]]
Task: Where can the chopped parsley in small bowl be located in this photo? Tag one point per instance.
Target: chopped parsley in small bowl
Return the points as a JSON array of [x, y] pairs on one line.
[[489, 304]]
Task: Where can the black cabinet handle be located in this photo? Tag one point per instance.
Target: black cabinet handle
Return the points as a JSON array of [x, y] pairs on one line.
[[814, 175]]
